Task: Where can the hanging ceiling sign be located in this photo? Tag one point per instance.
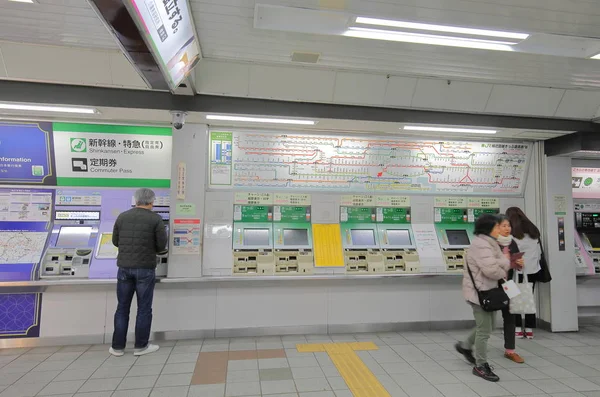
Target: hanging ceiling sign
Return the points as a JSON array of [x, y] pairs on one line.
[[168, 28]]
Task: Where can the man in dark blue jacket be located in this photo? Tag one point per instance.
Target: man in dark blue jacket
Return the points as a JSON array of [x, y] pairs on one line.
[[140, 235]]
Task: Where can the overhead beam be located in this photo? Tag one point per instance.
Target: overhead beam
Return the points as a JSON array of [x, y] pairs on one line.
[[14, 91]]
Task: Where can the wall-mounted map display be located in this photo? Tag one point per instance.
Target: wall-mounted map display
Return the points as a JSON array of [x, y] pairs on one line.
[[332, 163]]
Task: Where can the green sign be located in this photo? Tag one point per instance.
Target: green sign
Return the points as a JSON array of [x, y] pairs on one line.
[[358, 215], [112, 155], [293, 214], [185, 209], [451, 215], [255, 213], [395, 215], [479, 211]]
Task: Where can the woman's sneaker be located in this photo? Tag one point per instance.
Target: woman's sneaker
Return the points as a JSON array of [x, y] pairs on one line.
[[519, 333], [467, 354], [485, 372], [528, 333]]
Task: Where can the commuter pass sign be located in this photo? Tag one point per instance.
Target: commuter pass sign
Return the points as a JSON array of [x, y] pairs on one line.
[[112, 155]]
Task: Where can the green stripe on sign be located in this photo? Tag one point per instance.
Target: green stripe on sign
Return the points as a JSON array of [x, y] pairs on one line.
[[113, 182], [111, 129]]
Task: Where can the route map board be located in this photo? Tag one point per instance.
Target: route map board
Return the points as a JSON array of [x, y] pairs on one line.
[[21, 246], [261, 160]]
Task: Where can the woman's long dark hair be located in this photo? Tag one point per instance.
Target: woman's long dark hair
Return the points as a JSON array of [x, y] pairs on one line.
[[521, 225]]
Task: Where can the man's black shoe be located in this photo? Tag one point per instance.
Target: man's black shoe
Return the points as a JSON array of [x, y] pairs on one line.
[[468, 354], [485, 371]]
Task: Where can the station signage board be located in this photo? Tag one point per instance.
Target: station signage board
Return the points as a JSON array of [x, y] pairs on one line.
[[26, 155], [112, 155], [168, 29]]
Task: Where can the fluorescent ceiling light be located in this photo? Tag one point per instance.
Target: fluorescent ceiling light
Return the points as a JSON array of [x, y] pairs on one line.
[[390, 35], [47, 108], [260, 120], [596, 56], [23, 1], [447, 129], [441, 28]]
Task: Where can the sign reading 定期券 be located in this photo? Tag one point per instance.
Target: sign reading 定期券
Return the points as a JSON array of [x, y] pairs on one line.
[[112, 156]]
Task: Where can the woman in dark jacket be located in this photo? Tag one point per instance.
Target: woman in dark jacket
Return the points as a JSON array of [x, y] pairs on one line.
[[509, 245]]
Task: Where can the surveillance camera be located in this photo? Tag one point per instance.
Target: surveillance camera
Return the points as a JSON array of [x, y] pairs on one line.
[[178, 119]]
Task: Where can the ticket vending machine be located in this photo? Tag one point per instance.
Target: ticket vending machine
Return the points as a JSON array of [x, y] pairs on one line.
[[360, 241], [292, 240], [587, 238], [253, 240], [399, 248], [71, 244], [454, 219]]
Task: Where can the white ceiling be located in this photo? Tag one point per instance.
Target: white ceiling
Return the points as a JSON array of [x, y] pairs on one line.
[[226, 31], [163, 118], [54, 22]]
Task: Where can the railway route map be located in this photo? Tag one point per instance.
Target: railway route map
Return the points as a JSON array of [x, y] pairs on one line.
[[21, 247], [255, 160]]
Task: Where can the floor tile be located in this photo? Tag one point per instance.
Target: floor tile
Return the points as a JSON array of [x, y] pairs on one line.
[[520, 388], [268, 363], [138, 382], [580, 384], [132, 393], [307, 372], [242, 389], [145, 370], [207, 390], [182, 358], [242, 365], [173, 391], [550, 386], [312, 384], [277, 374], [73, 374], [70, 386], [100, 385], [277, 387], [487, 389], [456, 390], [174, 380], [181, 368], [243, 376], [26, 390]]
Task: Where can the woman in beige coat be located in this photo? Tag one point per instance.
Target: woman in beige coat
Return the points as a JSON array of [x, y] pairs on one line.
[[488, 265]]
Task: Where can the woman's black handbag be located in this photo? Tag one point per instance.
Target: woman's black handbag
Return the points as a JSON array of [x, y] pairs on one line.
[[544, 275], [491, 300]]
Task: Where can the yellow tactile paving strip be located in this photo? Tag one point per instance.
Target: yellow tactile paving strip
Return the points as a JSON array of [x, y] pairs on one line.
[[358, 377]]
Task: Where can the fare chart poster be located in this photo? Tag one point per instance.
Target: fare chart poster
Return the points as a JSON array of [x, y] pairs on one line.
[[112, 155], [270, 160], [26, 154]]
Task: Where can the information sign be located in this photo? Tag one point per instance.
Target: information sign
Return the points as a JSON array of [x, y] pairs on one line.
[[112, 155], [26, 155]]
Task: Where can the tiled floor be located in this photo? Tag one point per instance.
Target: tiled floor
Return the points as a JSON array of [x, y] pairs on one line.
[[405, 364]]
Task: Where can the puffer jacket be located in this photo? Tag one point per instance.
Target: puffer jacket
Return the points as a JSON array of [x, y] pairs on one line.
[[488, 265], [139, 234]]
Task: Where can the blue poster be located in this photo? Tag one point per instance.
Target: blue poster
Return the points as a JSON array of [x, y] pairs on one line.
[[26, 155]]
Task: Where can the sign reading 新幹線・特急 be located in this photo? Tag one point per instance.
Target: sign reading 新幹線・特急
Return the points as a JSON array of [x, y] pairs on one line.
[[26, 154], [112, 156]]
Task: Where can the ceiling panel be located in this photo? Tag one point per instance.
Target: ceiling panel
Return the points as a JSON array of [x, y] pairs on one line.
[[226, 32], [54, 22]]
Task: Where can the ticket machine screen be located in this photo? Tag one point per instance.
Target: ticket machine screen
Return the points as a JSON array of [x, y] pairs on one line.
[[73, 236], [363, 237], [594, 239], [458, 237], [398, 237], [256, 237], [295, 237]]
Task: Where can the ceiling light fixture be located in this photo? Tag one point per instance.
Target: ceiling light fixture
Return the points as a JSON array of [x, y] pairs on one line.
[[390, 35], [447, 129], [596, 56], [441, 28], [261, 120], [47, 108], [23, 1]]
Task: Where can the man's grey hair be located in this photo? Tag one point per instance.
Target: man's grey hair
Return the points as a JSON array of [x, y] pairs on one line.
[[144, 197]]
